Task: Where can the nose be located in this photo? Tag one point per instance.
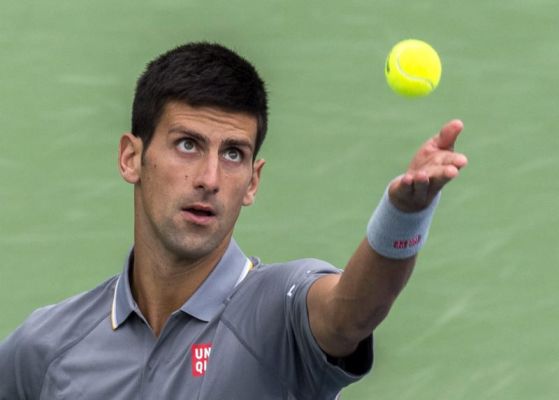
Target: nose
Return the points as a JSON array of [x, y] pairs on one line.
[[207, 176]]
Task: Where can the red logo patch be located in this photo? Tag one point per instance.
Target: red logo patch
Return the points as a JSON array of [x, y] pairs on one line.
[[200, 355], [404, 244]]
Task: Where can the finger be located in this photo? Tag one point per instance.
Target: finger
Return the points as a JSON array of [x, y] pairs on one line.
[[407, 181], [402, 187], [441, 175], [420, 187], [450, 158], [445, 175], [459, 160], [448, 134]]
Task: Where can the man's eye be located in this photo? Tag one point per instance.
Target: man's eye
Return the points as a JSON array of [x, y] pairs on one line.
[[186, 146], [233, 155]]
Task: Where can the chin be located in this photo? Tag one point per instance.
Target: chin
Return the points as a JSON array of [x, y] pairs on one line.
[[197, 248]]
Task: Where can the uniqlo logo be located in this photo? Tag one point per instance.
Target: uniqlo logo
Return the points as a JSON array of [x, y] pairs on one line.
[[200, 355]]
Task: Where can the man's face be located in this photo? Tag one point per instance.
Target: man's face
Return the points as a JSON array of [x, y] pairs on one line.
[[193, 178]]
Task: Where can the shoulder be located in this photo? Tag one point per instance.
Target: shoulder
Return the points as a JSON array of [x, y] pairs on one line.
[[268, 288], [51, 330], [69, 319], [295, 269]]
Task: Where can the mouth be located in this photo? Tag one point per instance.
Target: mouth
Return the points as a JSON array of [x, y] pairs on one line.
[[199, 214]]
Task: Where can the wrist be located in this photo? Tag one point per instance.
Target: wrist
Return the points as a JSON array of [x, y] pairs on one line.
[[397, 234]]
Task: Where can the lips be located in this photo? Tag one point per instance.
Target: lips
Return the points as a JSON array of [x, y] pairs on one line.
[[201, 210], [200, 214]]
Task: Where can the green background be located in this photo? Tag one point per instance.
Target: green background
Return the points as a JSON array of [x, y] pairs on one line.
[[477, 321]]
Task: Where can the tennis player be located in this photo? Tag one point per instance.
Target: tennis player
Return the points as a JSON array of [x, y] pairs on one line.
[[191, 316]]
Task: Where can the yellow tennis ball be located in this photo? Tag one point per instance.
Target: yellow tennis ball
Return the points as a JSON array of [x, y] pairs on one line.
[[413, 68]]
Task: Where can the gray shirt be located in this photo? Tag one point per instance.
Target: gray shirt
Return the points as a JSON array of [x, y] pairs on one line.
[[242, 335]]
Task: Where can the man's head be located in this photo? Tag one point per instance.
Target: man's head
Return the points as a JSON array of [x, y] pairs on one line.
[[199, 75], [199, 118]]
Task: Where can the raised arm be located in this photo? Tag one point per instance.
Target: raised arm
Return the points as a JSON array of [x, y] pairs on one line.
[[345, 309]]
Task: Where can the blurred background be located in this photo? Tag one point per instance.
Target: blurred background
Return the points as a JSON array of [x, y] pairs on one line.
[[477, 321]]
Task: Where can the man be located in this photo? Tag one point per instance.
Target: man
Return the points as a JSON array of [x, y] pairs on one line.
[[191, 316]]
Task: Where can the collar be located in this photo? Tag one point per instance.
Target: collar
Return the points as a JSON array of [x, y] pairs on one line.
[[123, 302], [208, 299]]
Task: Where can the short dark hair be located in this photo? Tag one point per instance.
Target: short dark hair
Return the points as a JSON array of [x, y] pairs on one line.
[[201, 75]]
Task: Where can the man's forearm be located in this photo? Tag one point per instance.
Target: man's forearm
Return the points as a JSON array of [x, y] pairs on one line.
[[360, 298]]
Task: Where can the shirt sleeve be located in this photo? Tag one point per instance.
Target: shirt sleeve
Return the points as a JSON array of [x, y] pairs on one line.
[[327, 375], [8, 380], [13, 382], [22, 361]]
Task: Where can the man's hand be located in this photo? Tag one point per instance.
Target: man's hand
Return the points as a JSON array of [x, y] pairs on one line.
[[433, 166]]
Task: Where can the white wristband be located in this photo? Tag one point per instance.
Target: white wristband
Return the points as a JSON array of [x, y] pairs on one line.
[[396, 234]]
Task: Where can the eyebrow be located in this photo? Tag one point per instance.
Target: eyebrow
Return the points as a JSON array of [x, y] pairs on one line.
[[185, 131], [238, 143]]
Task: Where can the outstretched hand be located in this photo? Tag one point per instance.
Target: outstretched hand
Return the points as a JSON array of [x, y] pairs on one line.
[[433, 166]]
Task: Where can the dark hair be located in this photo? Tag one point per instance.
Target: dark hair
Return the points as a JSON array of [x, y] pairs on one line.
[[200, 75]]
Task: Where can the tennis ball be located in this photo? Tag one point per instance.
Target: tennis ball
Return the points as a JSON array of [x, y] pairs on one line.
[[413, 68]]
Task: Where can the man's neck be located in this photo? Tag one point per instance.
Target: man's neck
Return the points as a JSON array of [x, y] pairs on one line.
[[161, 284]]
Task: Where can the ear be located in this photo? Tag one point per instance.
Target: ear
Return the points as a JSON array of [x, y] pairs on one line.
[[254, 182], [130, 157]]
